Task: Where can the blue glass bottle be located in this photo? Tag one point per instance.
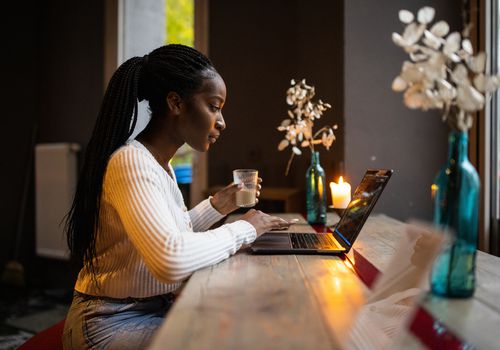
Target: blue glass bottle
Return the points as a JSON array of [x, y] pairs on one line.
[[456, 204], [315, 191]]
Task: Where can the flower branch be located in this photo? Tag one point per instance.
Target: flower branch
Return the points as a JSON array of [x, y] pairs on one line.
[[298, 127], [443, 72]]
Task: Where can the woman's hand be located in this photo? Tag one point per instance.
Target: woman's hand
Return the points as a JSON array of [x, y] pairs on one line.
[[224, 201], [264, 222]]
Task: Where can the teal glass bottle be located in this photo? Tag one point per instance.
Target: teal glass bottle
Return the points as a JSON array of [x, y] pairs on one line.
[[456, 203], [315, 191]]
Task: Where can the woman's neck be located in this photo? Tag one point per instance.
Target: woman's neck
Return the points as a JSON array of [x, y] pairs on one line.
[[161, 145]]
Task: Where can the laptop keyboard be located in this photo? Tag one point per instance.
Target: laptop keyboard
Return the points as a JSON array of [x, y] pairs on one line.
[[312, 241]]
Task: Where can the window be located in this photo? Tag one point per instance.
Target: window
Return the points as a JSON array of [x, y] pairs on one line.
[[133, 28], [180, 30], [180, 22]]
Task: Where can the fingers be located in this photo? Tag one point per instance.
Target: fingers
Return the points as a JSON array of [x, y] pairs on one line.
[[233, 187], [279, 223], [284, 224]]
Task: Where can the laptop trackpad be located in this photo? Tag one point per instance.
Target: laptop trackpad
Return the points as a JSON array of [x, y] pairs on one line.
[[273, 240]]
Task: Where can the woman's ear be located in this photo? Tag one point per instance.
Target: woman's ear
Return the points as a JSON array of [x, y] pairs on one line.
[[174, 102]]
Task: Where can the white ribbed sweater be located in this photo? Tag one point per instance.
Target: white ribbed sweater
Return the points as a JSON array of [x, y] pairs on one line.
[[147, 241]]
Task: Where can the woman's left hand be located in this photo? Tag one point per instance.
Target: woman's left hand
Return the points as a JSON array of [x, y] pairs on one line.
[[224, 201]]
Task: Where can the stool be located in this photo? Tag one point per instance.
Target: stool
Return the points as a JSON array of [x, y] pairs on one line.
[[49, 338]]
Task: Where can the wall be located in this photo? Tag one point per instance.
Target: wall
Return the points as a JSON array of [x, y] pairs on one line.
[[258, 46], [55, 72], [20, 50], [71, 70], [380, 130]]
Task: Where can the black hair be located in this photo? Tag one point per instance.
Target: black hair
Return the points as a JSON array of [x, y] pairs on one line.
[[169, 68]]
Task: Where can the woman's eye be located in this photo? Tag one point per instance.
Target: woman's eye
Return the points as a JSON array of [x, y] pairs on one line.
[[215, 108]]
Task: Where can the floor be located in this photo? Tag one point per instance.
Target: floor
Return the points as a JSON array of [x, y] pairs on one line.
[[24, 312]]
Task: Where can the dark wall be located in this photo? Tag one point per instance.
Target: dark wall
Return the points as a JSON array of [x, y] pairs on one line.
[[379, 130], [71, 85], [21, 103], [55, 53], [258, 47], [345, 50]]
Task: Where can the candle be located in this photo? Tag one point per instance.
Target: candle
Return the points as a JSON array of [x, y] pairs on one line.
[[434, 189], [341, 193]]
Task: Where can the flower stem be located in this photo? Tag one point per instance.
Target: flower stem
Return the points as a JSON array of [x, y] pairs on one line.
[[311, 146], [319, 131], [289, 163]]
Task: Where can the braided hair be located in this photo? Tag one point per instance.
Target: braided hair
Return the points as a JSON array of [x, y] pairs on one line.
[[169, 68]]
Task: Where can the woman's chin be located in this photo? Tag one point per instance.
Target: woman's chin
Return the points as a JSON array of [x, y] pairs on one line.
[[202, 148], [209, 143]]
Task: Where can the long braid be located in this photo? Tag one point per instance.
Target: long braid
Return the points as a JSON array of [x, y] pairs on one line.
[[112, 130], [169, 68]]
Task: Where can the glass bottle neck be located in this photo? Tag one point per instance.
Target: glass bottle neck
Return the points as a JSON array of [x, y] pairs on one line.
[[457, 146], [314, 158]]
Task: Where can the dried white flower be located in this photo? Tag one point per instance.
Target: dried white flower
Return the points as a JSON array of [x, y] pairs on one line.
[[413, 32], [477, 64], [440, 29], [283, 144], [431, 40], [399, 84], [406, 16], [298, 127], [425, 15], [467, 46], [443, 72]]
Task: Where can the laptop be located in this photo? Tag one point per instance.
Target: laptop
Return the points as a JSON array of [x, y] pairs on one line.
[[343, 234]]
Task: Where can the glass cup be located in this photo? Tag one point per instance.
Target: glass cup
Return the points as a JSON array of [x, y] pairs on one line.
[[246, 197]]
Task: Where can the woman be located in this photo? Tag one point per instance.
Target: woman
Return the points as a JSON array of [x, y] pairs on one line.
[[128, 225]]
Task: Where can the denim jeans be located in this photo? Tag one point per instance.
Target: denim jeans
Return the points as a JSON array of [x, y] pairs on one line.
[[106, 323]]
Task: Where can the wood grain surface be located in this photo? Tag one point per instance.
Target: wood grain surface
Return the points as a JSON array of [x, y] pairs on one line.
[[311, 302]]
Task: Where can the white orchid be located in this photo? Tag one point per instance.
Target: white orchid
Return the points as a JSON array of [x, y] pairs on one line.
[[298, 126], [443, 72]]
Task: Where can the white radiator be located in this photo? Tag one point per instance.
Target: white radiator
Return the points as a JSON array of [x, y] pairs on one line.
[[55, 184]]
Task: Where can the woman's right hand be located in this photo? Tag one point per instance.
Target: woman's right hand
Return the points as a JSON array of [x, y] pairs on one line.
[[264, 222]]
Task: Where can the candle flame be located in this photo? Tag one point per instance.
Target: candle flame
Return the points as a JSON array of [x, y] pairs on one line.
[[341, 180], [434, 188]]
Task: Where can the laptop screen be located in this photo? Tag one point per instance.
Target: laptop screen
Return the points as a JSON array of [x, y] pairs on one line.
[[361, 204]]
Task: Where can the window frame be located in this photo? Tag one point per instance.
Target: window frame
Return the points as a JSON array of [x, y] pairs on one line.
[[491, 23]]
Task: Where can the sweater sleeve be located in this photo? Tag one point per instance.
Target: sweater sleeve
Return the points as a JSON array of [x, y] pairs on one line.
[[204, 215], [133, 187]]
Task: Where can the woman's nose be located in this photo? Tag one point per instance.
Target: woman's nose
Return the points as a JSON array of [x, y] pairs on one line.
[[220, 124]]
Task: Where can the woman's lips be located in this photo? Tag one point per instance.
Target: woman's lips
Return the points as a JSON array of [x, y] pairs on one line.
[[212, 139]]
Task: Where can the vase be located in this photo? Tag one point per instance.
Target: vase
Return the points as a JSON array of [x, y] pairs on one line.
[[456, 203], [315, 192]]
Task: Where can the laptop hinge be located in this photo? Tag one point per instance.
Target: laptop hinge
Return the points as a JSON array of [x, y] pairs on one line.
[[343, 238]]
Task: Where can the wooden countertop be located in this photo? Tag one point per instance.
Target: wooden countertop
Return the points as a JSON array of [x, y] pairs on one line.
[[312, 301]]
